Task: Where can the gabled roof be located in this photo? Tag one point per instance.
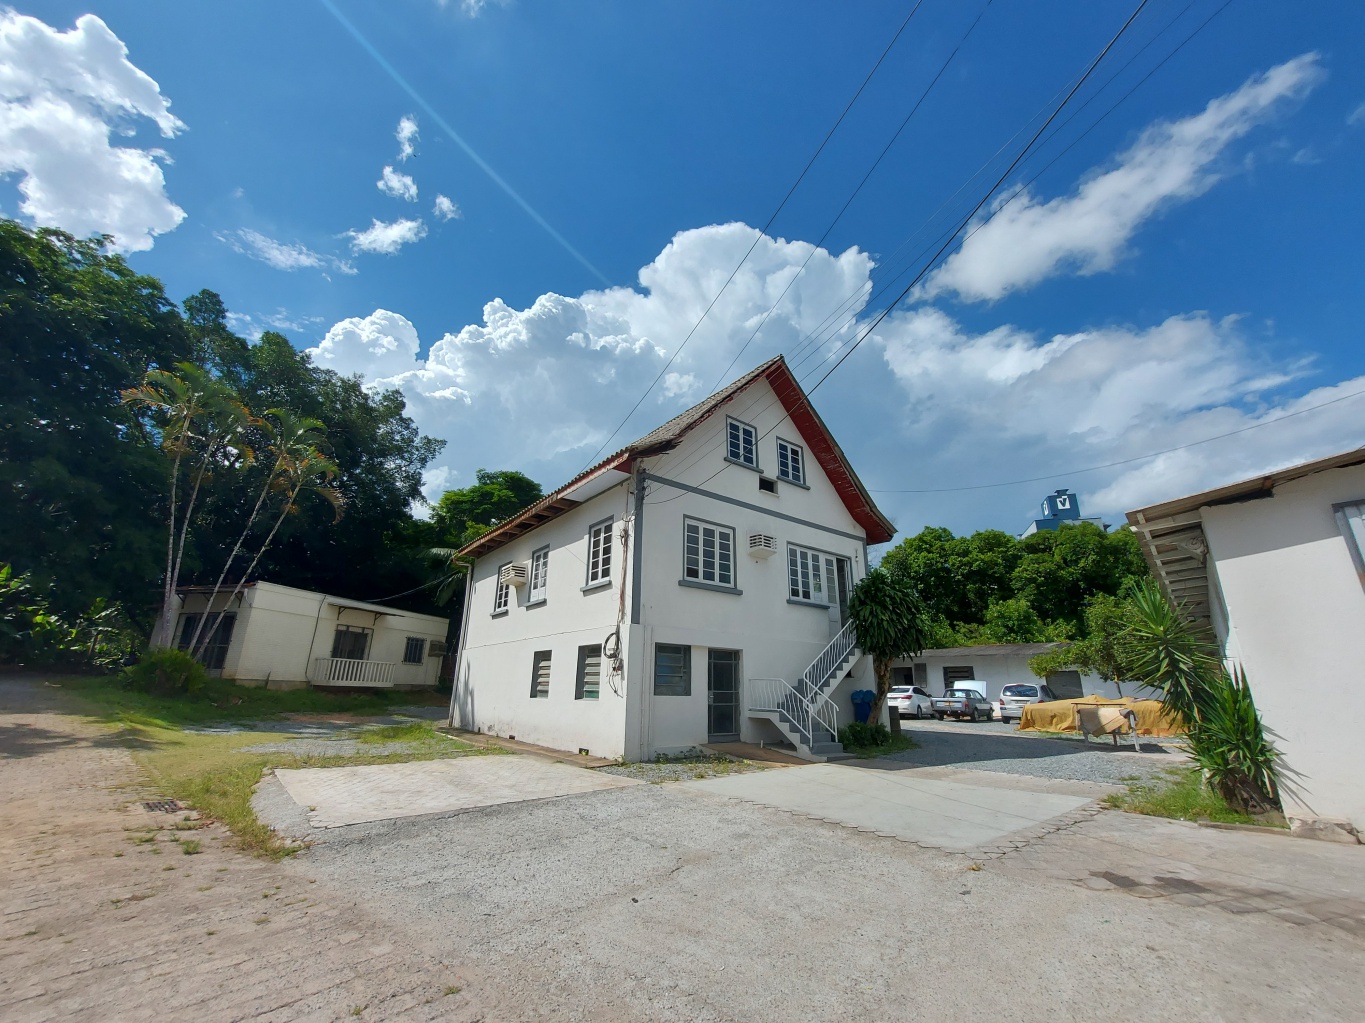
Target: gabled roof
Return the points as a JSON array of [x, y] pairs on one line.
[[616, 467]]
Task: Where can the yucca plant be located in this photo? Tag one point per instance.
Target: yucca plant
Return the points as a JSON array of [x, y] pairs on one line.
[[1170, 654], [1230, 747]]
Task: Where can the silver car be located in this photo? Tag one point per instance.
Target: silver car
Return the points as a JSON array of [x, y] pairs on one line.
[[1014, 698], [963, 703]]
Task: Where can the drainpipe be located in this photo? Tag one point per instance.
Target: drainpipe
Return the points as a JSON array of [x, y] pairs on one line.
[[460, 647]]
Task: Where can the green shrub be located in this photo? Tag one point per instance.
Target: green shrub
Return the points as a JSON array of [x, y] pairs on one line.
[[166, 672], [1229, 745], [31, 633], [857, 735]]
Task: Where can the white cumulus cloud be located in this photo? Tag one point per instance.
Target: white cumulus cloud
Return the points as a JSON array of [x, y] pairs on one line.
[[446, 208], [397, 184], [386, 238], [407, 136], [62, 95], [1029, 240]]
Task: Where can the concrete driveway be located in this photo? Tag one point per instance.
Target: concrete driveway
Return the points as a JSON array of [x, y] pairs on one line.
[[960, 812]]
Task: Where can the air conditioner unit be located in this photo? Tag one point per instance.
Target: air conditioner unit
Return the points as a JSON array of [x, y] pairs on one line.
[[514, 575], [437, 648], [762, 545]]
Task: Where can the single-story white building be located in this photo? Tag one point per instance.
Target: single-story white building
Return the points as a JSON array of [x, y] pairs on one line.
[[996, 666], [690, 588], [285, 638], [1276, 567]]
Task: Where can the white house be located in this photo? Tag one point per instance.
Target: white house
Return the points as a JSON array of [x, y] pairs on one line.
[[997, 665], [285, 638], [690, 588], [1274, 565]]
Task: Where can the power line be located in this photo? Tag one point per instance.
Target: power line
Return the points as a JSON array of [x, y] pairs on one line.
[[759, 236], [1126, 461]]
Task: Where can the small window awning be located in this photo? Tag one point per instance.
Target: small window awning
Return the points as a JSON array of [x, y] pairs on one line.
[[360, 605]]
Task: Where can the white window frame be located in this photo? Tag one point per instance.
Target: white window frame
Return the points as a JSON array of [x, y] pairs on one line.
[[735, 428], [502, 592], [598, 561], [795, 457], [540, 575], [1351, 521], [695, 554], [812, 576]]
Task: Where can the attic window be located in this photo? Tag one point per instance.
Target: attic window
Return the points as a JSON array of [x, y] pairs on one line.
[[742, 443], [766, 485]]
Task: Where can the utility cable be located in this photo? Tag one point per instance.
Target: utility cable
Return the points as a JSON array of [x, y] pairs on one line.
[[759, 236]]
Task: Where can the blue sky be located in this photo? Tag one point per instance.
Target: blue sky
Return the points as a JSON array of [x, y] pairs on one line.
[[1189, 267]]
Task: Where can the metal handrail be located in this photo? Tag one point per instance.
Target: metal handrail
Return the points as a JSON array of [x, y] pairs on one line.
[[805, 713], [824, 666]]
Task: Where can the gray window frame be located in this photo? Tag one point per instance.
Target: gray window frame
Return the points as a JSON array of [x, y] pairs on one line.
[[684, 686], [1344, 513], [531, 597], [605, 526], [580, 691], [537, 658], [421, 648], [502, 592], [716, 584]]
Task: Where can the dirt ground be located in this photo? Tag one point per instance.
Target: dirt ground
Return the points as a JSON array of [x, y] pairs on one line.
[[653, 902]]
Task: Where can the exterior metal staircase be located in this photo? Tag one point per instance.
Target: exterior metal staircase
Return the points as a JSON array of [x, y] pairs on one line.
[[803, 711]]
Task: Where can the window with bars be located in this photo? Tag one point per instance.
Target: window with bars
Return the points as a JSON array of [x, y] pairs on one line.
[[599, 553], [672, 670], [589, 682], [708, 553], [540, 575], [742, 443], [502, 596], [811, 575], [791, 463], [540, 675], [414, 649]]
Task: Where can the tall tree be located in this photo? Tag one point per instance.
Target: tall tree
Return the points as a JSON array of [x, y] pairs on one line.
[[81, 481], [890, 622], [495, 495]]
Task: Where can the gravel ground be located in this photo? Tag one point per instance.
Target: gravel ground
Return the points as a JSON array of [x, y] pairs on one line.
[[684, 770], [980, 749]]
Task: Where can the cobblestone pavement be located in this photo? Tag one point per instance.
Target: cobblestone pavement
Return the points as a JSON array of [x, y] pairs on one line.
[[103, 916]]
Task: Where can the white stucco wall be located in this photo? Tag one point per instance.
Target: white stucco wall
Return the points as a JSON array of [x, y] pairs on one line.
[[777, 639], [280, 629], [493, 680], [1295, 619]]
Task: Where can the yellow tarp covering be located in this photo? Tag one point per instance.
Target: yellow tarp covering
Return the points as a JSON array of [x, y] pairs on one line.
[[1057, 716]]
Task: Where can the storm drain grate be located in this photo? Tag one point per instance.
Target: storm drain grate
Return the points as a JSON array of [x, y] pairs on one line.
[[162, 806]]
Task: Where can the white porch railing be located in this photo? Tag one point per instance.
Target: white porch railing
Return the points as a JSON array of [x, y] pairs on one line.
[[815, 719], [823, 669], [344, 671]]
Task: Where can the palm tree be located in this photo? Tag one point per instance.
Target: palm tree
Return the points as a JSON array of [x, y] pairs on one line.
[[201, 418], [300, 468], [288, 437], [890, 622]]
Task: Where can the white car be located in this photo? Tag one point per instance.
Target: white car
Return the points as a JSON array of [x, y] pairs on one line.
[[910, 701], [1013, 699]]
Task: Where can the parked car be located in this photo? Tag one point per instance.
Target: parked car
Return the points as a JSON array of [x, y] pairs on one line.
[[963, 703], [911, 701], [1013, 699]]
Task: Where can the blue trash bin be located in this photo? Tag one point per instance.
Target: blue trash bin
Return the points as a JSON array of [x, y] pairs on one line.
[[862, 704]]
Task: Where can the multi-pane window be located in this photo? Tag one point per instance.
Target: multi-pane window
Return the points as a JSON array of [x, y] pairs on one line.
[[213, 650], [672, 670], [791, 462], [540, 675], [351, 642], [589, 681], [599, 553], [414, 649], [742, 442], [502, 596], [708, 553], [810, 575], [540, 574]]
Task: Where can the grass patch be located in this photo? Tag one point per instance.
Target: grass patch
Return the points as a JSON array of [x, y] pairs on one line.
[[893, 744], [685, 767], [415, 731], [867, 741], [1182, 796]]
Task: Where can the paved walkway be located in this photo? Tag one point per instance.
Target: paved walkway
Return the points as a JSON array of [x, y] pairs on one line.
[[959, 814], [337, 796]]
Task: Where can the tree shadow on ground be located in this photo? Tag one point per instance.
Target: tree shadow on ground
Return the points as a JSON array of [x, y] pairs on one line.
[[935, 748]]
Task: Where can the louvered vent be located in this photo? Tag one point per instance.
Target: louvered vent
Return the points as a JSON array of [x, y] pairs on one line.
[[762, 545]]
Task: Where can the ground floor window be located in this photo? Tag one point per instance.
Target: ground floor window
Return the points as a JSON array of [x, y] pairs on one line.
[[414, 650], [672, 670], [351, 642], [540, 675], [589, 682], [213, 650], [953, 673]]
